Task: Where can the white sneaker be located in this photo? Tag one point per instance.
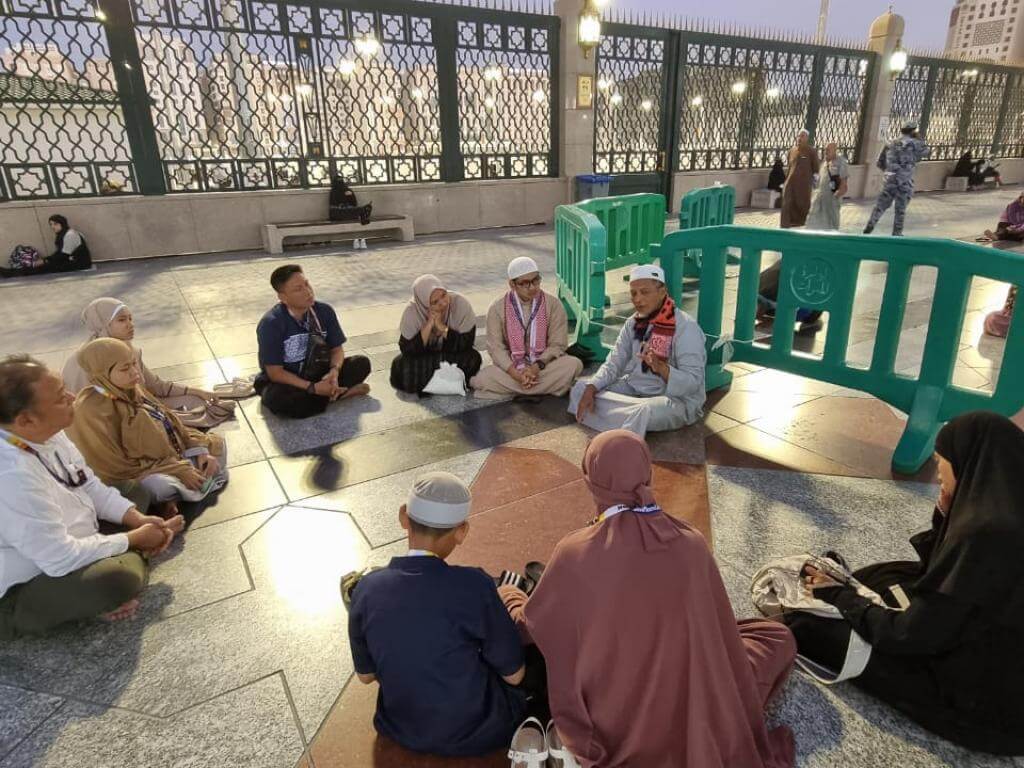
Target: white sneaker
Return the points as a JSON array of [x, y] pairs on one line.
[[363, 241], [558, 755], [355, 244], [529, 747]]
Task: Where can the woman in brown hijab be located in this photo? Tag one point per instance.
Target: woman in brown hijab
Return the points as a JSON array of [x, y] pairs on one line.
[[796, 194], [125, 433], [109, 317], [646, 663]]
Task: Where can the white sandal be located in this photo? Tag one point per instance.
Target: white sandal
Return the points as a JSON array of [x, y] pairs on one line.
[[238, 389], [529, 745], [559, 756]]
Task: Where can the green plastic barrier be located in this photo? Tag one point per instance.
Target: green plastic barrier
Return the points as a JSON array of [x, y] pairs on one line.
[[708, 207], [820, 271], [592, 237]]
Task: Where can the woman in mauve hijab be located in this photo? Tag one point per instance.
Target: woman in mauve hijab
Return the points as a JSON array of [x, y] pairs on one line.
[[646, 663]]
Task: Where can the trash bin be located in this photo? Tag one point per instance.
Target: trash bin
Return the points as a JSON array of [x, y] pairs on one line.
[[591, 185]]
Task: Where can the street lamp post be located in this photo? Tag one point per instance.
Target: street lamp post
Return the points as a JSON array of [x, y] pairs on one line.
[[823, 21]]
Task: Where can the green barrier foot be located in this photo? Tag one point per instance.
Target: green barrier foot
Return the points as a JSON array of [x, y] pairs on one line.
[[716, 377], [918, 440]]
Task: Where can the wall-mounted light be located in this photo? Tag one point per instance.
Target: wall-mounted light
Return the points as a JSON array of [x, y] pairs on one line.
[[489, 102], [971, 73], [100, 14], [697, 101], [898, 60], [539, 96], [615, 99], [605, 83], [588, 34], [346, 67], [417, 93], [739, 87], [773, 93], [492, 73], [367, 46], [646, 105]]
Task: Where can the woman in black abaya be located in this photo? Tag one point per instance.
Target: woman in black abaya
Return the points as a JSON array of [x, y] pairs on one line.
[[951, 659]]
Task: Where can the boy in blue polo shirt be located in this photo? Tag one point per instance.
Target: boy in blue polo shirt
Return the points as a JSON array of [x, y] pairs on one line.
[[437, 637]]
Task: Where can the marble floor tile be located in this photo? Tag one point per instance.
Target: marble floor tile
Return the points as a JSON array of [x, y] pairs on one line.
[[779, 382], [252, 726], [516, 473], [251, 488], [856, 432], [374, 504], [242, 445], [21, 712], [759, 515], [746, 406], [296, 561], [568, 442], [204, 565], [745, 446]]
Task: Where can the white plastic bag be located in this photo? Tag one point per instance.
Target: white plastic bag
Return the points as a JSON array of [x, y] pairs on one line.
[[447, 380]]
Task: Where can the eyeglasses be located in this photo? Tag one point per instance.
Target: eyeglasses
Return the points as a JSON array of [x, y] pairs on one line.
[[528, 283]]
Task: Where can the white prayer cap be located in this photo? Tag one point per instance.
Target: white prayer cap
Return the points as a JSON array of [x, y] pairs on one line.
[[647, 272], [521, 265], [439, 500]]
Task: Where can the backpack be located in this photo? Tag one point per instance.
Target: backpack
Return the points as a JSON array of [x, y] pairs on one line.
[[344, 206], [24, 257]]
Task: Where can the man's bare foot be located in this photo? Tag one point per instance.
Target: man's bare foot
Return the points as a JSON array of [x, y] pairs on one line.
[[121, 613], [356, 391]]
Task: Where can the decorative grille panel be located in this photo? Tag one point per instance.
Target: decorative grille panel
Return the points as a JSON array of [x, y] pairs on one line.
[[842, 100], [947, 106], [504, 86], [61, 127], [908, 97], [269, 95], [1012, 142], [628, 104]]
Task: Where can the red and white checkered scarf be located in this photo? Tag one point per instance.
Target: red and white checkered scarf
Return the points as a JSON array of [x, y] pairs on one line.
[[516, 325]]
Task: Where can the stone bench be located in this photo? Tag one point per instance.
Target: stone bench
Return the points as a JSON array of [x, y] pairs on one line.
[[397, 226]]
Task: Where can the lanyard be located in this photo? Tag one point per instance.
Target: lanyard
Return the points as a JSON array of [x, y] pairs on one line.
[[156, 414], [534, 309], [69, 480], [647, 509], [305, 323]]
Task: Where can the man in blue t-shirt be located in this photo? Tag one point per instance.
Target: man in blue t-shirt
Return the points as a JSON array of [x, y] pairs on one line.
[[295, 380], [437, 637]]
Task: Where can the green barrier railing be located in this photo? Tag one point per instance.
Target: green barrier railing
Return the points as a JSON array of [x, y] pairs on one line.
[[593, 237], [708, 207], [819, 271]]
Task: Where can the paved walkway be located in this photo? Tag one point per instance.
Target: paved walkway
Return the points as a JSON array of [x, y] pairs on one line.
[[240, 657]]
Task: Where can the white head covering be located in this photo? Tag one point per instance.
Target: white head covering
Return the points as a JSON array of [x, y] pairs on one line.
[[521, 265], [439, 500], [647, 272]]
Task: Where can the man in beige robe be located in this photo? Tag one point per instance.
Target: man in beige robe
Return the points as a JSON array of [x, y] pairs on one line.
[[527, 335]]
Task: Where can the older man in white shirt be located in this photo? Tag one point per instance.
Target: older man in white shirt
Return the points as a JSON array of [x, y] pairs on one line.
[[653, 380], [55, 565]]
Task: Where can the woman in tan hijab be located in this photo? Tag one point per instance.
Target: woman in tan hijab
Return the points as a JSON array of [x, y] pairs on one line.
[[437, 326], [646, 663], [125, 433], [110, 318]]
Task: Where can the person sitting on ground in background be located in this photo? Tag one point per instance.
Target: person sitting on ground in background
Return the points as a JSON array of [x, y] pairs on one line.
[[945, 647], [303, 367], [71, 252], [110, 318], [436, 637], [777, 175], [1011, 223], [804, 166], [438, 326], [527, 335], [55, 566], [654, 377], [125, 433], [692, 687], [998, 323]]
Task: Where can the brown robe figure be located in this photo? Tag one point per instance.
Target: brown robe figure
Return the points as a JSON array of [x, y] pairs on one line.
[[796, 194], [646, 663]]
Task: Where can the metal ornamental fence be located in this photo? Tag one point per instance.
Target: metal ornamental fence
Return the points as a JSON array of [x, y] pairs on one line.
[[154, 96], [961, 107]]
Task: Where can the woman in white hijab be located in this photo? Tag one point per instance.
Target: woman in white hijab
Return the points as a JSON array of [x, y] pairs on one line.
[[437, 326], [110, 318]]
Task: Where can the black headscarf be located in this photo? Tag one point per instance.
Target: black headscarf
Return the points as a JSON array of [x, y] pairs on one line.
[[978, 557], [59, 241]]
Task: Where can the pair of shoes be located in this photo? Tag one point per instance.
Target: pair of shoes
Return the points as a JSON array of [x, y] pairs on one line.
[[528, 582], [534, 746], [359, 244]]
